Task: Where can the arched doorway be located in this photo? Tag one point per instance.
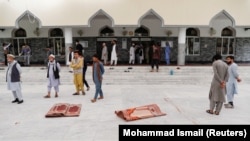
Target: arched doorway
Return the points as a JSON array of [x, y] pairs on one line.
[[56, 41]]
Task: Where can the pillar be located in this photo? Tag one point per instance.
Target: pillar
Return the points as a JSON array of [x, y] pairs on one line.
[[181, 46], [68, 41]]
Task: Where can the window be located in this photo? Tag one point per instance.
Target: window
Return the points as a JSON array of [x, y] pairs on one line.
[[192, 42], [17, 45], [225, 45], [18, 41], [56, 42]]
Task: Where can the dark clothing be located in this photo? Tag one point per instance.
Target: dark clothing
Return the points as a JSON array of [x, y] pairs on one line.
[[155, 62], [79, 47], [5, 60], [150, 54], [70, 56], [56, 71], [85, 67], [156, 57], [15, 75]]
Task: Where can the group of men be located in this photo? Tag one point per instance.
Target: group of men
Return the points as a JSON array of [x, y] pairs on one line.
[[77, 63], [224, 81], [136, 53], [114, 53]]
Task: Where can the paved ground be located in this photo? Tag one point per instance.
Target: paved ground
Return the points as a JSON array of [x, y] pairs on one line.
[[183, 104]]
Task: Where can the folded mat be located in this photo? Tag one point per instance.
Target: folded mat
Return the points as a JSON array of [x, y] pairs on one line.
[[140, 112], [64, 110]]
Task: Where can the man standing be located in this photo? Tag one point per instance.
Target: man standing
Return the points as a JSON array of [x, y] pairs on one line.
[[70, 58], [53, 75], [231, 86], [79, 47], [104, 53], [132, 54], [167, 53], [218, 86], [48, 53], [141, 54], [77, 65], [155, 57], [26, 52], [114, 53], [6, 51], [98, 71], [13, 78]]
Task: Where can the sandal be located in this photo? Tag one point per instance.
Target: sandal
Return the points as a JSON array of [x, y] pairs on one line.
[[93, 100], [216, 113], [75, 94], [101, 97], [47, 96], [209, 111]]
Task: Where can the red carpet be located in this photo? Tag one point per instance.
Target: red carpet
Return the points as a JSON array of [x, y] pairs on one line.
[[64, 110], [141, 112]]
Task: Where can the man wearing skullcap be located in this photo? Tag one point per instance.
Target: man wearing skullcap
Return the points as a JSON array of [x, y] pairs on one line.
[[13, 78], [53, 75]]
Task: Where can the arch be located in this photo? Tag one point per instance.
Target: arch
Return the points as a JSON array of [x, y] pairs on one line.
[[56, 32], [151, 14], [228, 31], [223, 15], [142, 31], [192, 32], [32, 18], [106, 30], [100, 14], [20, 33]]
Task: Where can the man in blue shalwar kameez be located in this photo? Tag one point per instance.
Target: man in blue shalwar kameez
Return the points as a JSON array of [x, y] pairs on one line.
[[98, 71]]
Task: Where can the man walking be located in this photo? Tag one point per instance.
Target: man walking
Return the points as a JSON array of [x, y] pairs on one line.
[[98, 71]]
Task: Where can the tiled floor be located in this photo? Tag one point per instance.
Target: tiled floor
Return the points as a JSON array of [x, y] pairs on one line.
[[183, 104]]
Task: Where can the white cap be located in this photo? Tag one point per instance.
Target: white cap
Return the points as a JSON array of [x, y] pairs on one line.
[[11, 55], [51, 55]]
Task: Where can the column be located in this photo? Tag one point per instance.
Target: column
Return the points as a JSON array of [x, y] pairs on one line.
[[181, 46], [68, 41]]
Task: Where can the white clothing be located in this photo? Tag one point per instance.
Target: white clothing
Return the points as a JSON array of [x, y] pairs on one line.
[[52, 82], [15, 87], [132, 55], [114, 55], [104, 55]]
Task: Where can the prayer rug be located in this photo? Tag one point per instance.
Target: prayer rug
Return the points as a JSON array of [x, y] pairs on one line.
[[140, 112], [64, 110]]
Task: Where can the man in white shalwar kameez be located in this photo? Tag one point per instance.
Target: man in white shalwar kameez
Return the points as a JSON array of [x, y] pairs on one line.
[[104, 53], [231, 85], [53, 75], [13, 78], [114, 54], [132, 54]]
